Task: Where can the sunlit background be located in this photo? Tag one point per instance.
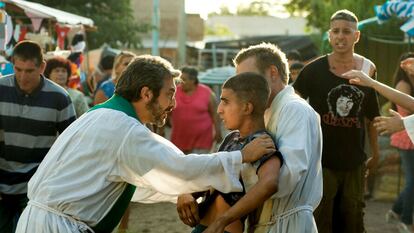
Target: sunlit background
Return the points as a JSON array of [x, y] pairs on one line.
[[204, 7]]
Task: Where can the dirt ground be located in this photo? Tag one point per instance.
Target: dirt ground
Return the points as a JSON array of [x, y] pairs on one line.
[[162, 218]]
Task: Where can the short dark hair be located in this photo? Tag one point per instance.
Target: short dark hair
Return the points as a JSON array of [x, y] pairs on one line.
[[294, 55], [57, 62], [296, 66], [144, 71], [107, 62], [28, 50], [266, 54], [344, 15], [192, 73], [252, 88]]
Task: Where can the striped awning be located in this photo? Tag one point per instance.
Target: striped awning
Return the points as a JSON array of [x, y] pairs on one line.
[[401, 9]]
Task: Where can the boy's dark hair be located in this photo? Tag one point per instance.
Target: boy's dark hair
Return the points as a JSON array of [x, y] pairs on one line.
[[192, 73], [28, 50], [144, 71], [296, 66], [266, 55], [251, 88], [57, 62], [344, 15], [294, 55]]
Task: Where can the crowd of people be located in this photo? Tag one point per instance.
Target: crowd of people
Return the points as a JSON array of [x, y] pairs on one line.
[[286, 165]]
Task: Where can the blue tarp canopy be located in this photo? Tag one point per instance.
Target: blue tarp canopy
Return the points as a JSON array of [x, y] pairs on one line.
[[399, 8], [216, 76]]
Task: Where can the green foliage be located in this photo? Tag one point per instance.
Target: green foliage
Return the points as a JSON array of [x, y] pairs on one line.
[[218, 30], [259, 8], [113, 19], [319, 11], [224, 10]]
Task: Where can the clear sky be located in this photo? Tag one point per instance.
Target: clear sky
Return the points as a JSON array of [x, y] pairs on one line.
[[204, 7]]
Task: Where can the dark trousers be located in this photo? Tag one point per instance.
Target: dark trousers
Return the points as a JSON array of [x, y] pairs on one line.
[[405, 201], [342, 204], [11, 206]]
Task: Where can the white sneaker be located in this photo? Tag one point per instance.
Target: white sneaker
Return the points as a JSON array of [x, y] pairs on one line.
[[392, 217], [402, 228]]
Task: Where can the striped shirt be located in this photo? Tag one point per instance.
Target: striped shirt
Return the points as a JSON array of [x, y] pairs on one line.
[[29, 125]]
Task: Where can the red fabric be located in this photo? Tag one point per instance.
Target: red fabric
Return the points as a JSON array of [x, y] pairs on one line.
[[23, 32], [74, 82], [400, 139], [192, 125], [61, 32]]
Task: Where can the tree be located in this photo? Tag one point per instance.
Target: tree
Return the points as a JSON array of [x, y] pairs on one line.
[[217, 30], [319, 11], [259, 8], [113, 18]]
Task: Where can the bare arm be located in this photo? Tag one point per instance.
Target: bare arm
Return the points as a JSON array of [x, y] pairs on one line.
[[266, 186], [99, 97], [372, 162], [388, 125], [359, 78]]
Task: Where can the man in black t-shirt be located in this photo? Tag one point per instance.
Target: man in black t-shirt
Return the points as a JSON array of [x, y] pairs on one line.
[[346, 113]]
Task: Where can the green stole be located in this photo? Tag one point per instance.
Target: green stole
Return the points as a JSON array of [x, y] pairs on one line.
[[112, 218]]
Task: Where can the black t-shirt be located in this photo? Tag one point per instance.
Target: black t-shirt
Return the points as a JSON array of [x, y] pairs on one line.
[[342, 108]]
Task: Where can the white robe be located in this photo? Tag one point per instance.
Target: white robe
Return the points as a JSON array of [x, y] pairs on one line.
[[85, 172], [409, 126], [296, 129]]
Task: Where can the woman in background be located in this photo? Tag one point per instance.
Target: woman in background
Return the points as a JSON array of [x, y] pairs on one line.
[[107, 88], [58, 69], [402, 209]]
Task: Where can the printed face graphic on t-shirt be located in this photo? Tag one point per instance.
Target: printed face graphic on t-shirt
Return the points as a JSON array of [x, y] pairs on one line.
[[344, 106], [344, 102]]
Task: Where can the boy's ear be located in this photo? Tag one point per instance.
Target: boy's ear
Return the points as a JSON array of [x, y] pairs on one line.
[[248, 110]]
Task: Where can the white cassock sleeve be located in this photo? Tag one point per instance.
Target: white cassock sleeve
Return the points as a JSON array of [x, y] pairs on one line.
[[409, 126], [298, 133], [161, 171]]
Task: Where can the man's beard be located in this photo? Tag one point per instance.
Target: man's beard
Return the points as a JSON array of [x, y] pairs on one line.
[[157, 112]]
